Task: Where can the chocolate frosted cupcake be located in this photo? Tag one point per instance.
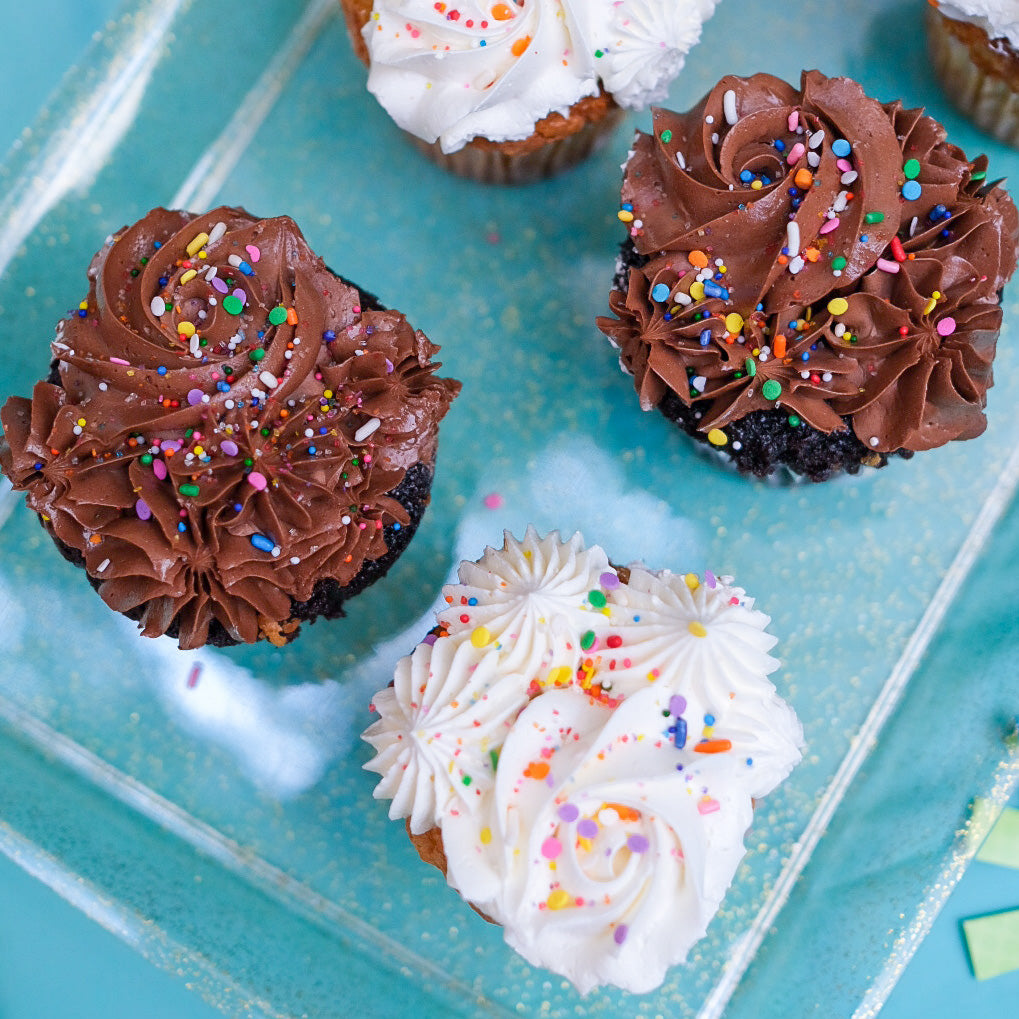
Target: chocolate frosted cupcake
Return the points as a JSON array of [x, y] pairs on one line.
[[232, 438], [513, 92], [811, 279], [578, 747]]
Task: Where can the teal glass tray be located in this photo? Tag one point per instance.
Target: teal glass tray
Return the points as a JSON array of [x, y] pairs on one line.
[[210, 807]]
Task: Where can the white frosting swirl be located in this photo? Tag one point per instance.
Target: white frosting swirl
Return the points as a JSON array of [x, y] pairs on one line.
[[454, 71], [597, 813], [998, 18]]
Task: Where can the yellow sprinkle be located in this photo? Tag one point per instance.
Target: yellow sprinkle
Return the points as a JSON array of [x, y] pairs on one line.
[[185, 329], [486, 835], [197, 244], [734, 322], [697, 629], [81, 422], [559, 899], [838, 306], [626, 217], [709, 732], [199, 451], [692, 582], [697, 291], [652, 677], [717, 437], [756, 185], [560, 675], [328, 394], [932, 303], [481, 637], [202, 254], [83, 305], [188, 276]]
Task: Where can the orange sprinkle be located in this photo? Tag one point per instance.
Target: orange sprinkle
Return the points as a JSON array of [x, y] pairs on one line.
[[812, 254], [94, 539], [284, 413], [536, 769], [780, 345], [520, 46], [291, 317], [713, 746], [697, 259], [625, 813], [501, 12], [803, 179], [783, 259]]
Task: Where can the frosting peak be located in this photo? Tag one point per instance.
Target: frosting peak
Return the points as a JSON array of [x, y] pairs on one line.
[[226, 426], [587, 741]]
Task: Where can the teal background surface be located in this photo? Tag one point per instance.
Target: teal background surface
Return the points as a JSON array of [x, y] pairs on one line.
[[909, 804]]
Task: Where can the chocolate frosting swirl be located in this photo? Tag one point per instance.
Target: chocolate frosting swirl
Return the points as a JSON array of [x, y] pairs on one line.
[[229, 422], [818, 251]]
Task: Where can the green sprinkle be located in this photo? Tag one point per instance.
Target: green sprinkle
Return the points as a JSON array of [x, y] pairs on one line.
[[587, 641], [771, 390], [912, 169], [597, 599], [751, 366], [278, 315], [232, 305], [189, 433], [666, 136], [493, 756], [838, 263], [266, 432], [599, 53], [467, 780], [191, 490], [249, 462], [144, 261], [794, 421], [257, 354], [134, 272], [979, 175], [147, 458], [874, 217]]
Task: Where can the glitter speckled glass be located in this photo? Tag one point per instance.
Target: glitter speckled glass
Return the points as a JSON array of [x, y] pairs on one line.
[[121, 756]]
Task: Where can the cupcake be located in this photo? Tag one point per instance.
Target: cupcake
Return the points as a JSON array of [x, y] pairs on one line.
[[974, 46], [811, 279], [232, 439], [513, 92], [578, 747]]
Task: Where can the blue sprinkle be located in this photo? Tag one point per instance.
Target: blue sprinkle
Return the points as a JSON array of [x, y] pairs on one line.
[[163, 280], [864, 238], [329, 336], [946, 214], [396, 527], [237, 507], [946, 233], [712, 289], [246, 269], [804, 356], [667, 317], [182, 527], [38, 466], [82, 313], [911, 190], [780, 145], [161, 370], [750, 761], [680, 737], [223, 387], [157, 244], [785, 250], [765, 179], [746, 176], [260, 541], [705, 337], [760, 307], [261, 333], [628, 206], [312, 450], [472, 601], [660, 292], [795, 203], [709, 719], [792, 325], [937, 212], [841, 148], [323, 431]]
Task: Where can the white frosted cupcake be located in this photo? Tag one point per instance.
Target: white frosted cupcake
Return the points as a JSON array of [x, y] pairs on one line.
[[513, 92], [578, 747], [974, 46]]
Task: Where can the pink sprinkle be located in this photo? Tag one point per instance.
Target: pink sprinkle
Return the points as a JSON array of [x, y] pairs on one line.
[[829, 225], [120, 360], [253, 252], [195, 397], [493, 501], [141, 507], [946, 326], [159, 469], [196, 671], [844, 165], [257, 481], [794, 120], [886, 265], [219, 285], [229, 447], [795, 154], [709, 579], [707, 805], [551, 848]]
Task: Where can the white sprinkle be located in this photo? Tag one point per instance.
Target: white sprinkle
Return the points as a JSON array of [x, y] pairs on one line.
[[796, 264], [681, 160], [849, 176], [288, 354], [194, 345], [826, 377], [229, 404], [203, 315], [714, 138], [215, 233], [874, 440], [235, 260], [344, 520], [792, 234], [764, 355], [268, 379], [102, 566], [157, 306], [841, 200], [681, 298], [913, 225], [366, 429], [804, 375], [813, 159], [309, 433], [76, 429], [736, 445], [103, 386], [815, 139], [729, 106], [840, 329], [698, 382], [211, 272], [276, 550], [709, 119], [294, 560]]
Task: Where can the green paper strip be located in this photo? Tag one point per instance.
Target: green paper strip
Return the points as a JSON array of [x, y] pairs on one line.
[[993, 943], [1002, 845]]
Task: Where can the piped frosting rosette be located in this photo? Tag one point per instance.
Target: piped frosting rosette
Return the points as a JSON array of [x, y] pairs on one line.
[[814, 252], [592, 790], [450, 72], [226, 425]]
